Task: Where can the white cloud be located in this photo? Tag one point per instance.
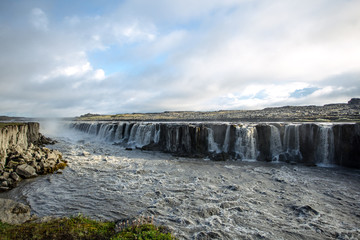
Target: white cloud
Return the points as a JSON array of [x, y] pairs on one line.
[[39, 19], [99, 75], [179, 55]]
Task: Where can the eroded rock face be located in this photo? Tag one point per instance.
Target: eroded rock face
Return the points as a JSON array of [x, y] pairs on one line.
[[13, 212], [21, 159], [20, 135]]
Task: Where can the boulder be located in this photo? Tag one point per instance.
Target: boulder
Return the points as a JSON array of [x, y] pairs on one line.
[[12, 212], [14, 176], [52, 156], [26, 171]]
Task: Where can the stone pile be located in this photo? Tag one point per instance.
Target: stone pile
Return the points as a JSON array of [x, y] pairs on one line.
[[22, 163]]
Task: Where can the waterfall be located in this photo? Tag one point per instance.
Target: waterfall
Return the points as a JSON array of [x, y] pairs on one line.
[[119, 132], [212, 145], [245, 145], [291, 140], [92, 129], [275, 143], [144, 134], [227, 139], [325, 149], [308, 143], [106, 132], [157, 134]]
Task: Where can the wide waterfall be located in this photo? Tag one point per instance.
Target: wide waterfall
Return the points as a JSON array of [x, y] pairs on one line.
[[263, 187], [310, 143]]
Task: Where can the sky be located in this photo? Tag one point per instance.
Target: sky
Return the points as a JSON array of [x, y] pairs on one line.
[[61, 58]]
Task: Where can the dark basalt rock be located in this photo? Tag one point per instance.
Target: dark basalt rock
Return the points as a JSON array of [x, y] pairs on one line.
[[307, 143]]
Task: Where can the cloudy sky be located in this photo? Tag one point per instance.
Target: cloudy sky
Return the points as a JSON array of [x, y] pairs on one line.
[[66, 58]]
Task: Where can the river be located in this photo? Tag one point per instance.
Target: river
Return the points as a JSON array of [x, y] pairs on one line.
[[196, 198]]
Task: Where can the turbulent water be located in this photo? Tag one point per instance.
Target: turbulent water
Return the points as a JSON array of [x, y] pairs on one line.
[[197, 198]]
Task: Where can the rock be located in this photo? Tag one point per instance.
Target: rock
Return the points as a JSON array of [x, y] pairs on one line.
[[6, 175], [207, 235], [12, 212], [304, 211], [26, 171], [3, 189], [52, 156], [84, 154], [208, 212], [232, 187], [4, 184], [14, 176]]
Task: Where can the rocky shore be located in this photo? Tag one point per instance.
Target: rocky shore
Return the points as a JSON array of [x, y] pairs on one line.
[[23, 156]]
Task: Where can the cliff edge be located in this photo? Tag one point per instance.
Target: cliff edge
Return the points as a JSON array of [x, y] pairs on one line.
[[21, 154]]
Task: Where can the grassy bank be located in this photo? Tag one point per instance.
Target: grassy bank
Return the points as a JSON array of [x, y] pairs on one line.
[[82, 228]]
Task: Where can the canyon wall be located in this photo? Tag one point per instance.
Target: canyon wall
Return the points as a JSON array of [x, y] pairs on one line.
[[19, 134], [309, 143]]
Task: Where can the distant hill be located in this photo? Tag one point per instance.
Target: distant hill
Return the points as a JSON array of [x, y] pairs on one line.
[[340, 112], [11, 119]]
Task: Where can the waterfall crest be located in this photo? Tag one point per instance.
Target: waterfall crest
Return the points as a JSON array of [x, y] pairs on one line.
[[312, 143]]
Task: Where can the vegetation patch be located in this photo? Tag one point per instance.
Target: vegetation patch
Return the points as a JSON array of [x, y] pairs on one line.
[[80, 227]]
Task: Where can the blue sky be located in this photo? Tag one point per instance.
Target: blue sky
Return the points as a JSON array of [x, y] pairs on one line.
[[66, 58]]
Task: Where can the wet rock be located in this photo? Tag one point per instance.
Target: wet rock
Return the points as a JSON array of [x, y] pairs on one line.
[[209, 211], [4, 189], [84, 154], [15, 176], [304, 211], [5, 175], [207, 236], [13, 212], [51, 156], [232, 187], [4, 184], [225, 205], [26, 171]]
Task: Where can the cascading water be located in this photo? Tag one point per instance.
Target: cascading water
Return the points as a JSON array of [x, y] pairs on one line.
[[119, 132], [275, 143], [308, 143], [245, 145], [227, 139], [212, 145], [325, 149], [291, 141]]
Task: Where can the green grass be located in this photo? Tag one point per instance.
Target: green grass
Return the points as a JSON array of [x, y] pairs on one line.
[[79, 228], [145, 231]]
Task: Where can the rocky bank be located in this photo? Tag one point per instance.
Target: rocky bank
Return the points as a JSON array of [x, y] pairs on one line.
[[22, 155]]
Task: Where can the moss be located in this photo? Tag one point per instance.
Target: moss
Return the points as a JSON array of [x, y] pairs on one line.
[[60, 165], [146, 231], [80, 227]]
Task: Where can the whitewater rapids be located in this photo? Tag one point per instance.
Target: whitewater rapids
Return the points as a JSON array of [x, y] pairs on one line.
[[197, 198]]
